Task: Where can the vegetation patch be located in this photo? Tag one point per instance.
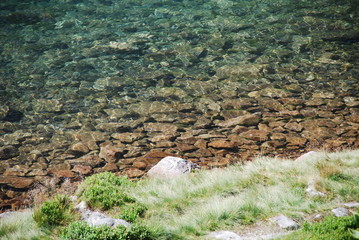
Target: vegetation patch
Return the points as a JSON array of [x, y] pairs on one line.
[[56, 212], [331, 228], [106, 190], [80, 230]]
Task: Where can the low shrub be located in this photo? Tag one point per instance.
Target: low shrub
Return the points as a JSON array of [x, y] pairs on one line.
[[331, 228], [105, 190], [80, 230], [56, 212], [131, 212]]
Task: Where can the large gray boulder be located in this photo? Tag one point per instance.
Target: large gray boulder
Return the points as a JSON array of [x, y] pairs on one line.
[[170, 167]]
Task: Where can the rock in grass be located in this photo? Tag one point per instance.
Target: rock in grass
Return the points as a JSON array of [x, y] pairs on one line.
[[312, 192], [341, 212], [351, 204], [285, 222], [306, 155], [96, 218], [225, 235], [170, 167]]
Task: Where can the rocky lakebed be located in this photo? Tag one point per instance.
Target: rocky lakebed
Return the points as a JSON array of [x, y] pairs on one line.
[[106, 85]]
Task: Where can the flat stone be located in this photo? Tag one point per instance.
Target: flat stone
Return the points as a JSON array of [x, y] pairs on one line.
[[167, 128], [112, 153], [79, 148], [255, 135], [134, 173], [81, 169], [17, 182], [225, 235], [127, 137], [140, 165], [222, 144], [351, 204], [63, 173], [246, 120], [285, 222], [341, 212]]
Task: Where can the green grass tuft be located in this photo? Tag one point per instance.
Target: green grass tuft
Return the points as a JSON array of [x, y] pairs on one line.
[[106, 190], [56, 212]]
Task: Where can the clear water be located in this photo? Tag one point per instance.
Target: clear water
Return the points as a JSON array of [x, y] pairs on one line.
[[72, 66]]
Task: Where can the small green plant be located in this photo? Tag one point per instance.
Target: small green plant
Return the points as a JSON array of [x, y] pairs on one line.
[[131, 212], [80, 230], [331, 228], [56, 212], [106, 190]]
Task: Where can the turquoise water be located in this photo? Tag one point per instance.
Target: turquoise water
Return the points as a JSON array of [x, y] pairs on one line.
[[166, 73]]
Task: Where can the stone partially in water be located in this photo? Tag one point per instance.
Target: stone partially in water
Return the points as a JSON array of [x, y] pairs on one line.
[[170, 167]]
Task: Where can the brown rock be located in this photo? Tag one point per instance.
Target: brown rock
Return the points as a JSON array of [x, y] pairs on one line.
[[323, 95], [165, 144], [274, 93], [133, 173], [353, 118], [278, 136], [187, 139], [109, 167], [271, 104], [186, 147], [298, 141], [294, 126], [201, 144], [140, 165], [161, 127], [255, 135], [83, 170], [292, 101], [162, 137], [202, 122], [8, 152], [91, 138], [63, 173], [239, 103], [87, 160], [210, 136], [276, 124], [79, 148], [221, 162], [239, 129], [319, 133], [351, 101], [17, 182], [112, 153], [127, 137], [315, 102], [221, 144], [37, 172], [241, 71], [246, 120]]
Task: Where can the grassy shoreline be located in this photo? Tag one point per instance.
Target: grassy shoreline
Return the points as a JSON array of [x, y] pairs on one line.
[[234, 198]]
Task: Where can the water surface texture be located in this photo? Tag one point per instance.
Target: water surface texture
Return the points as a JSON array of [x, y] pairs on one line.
[[100, 85]]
